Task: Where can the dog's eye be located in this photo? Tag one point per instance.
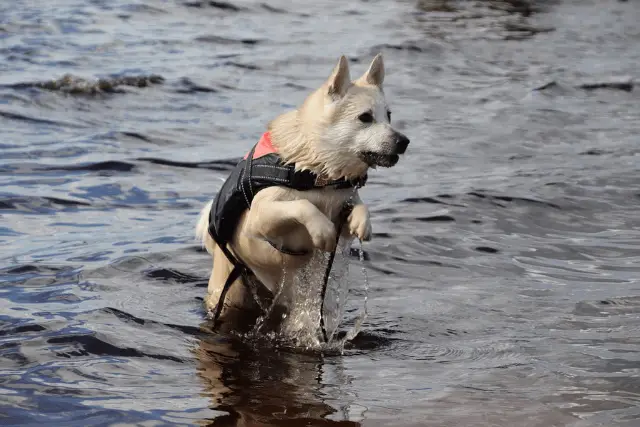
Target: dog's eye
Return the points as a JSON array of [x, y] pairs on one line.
[[366, 117], [389, 116]]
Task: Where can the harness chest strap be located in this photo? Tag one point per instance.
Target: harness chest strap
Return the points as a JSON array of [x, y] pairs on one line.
[[284, 174]]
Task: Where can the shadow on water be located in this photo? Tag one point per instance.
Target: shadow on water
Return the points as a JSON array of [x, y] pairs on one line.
[[262, 387]]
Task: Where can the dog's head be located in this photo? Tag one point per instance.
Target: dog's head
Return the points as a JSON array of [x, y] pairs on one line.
[[351, 121]]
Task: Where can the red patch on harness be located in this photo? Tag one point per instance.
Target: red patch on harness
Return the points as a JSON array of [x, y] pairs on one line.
[[264, 147]]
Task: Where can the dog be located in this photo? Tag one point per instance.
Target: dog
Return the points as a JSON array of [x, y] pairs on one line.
[[341, 131]]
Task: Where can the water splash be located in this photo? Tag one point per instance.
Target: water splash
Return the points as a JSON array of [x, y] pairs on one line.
[[302, 325], [363, 315], [302, 294], [301, 328], [269, 311], [337, 291]]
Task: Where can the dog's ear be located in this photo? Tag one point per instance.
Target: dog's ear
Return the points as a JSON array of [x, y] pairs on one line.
[[340, 80], [375, 73]]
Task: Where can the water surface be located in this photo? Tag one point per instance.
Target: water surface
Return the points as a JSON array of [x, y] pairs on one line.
[[504, 269]]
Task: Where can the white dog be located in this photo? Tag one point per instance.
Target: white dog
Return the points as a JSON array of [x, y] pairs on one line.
[[284, 200]]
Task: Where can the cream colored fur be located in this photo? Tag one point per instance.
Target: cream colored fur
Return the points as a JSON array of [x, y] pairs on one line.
[[325, 136]]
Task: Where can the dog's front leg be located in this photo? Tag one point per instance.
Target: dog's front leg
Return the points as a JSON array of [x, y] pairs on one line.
[[359, 222], [280, 221]]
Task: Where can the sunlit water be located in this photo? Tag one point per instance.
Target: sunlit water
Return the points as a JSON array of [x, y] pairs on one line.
[[503, 274]]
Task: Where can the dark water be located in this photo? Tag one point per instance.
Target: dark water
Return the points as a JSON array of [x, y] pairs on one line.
[[505, 268]]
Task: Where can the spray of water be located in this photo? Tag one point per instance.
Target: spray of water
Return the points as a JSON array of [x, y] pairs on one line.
[[300, 327], [363, 315], [268, 312]]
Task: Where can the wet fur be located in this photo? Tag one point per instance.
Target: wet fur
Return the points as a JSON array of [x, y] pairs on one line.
[[325, 136]]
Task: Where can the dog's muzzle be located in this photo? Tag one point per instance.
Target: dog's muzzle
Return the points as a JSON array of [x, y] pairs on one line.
[[386, 160]]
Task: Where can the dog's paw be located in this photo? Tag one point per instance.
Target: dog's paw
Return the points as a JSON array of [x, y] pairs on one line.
[[323, 235], [359, 223]]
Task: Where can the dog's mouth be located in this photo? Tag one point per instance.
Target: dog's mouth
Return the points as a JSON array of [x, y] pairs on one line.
[[379, 159]]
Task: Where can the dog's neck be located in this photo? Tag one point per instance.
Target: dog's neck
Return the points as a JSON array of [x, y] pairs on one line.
[[295, 144]]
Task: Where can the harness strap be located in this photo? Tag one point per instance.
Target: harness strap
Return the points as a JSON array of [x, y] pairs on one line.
[[278, 173], [300, 180], [238, 269], [344, 214], [212, 231], [247, 188]]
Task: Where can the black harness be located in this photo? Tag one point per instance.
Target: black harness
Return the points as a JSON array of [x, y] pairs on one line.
[[248, 177]]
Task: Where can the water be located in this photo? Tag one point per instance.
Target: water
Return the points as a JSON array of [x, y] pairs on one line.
[[504, 269]]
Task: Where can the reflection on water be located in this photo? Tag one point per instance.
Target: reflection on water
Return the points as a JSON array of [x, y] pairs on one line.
[[263, 387]]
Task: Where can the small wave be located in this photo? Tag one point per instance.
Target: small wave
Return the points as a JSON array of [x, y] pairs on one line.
[[221, 5], [175, 276], [608, 307], [272, 9], [231, 7], [143, 8], [626, 86], [105, 168], [136, 135], [85, 345], [19, 330], [431, 200], [553, 86], [242, 66], [513, 199], [73, 85], [496, 20], [23, 118], [522, 7], [31, 269], [408, 47], [218, 165], [37, 204], [109, 165], [226, 40], [130, 318], [436, 218], [186, 85], [486, 249], [296, 86]]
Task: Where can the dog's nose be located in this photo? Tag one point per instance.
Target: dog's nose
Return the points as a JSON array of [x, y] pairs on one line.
[[402, 142]]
